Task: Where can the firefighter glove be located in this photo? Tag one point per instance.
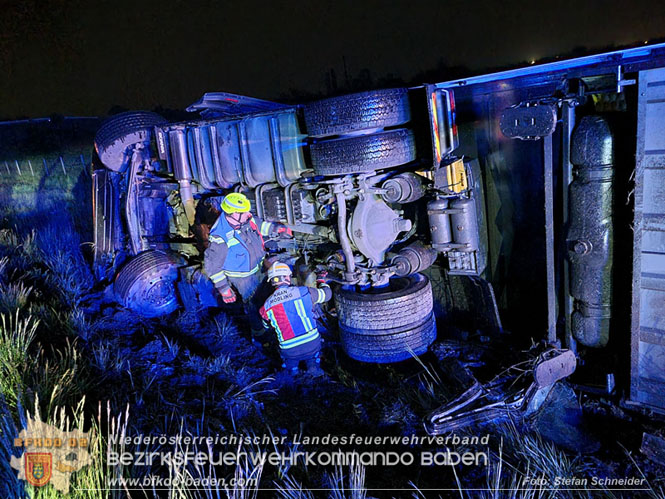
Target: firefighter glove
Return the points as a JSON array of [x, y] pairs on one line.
[[284, 231], [228, 295]]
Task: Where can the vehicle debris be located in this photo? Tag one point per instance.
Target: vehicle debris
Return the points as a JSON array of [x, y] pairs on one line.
[[653, 447], [517, 394]]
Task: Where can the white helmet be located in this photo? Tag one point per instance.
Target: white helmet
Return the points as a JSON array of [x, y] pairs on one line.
[[279, 270]]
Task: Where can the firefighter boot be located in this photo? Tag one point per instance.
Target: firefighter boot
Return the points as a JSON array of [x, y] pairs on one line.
[[314, 367], [260, 338], [290, 367]]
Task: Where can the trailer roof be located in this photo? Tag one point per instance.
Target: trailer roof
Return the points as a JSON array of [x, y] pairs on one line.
[[618, 57]]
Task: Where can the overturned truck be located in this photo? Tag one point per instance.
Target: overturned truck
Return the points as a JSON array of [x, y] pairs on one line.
[[543, 187]]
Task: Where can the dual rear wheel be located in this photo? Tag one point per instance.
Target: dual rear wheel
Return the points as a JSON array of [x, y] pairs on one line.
[[361, 133], [388, 324], [356, 133]]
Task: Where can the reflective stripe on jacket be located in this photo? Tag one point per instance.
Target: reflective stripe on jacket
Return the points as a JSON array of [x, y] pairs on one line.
[[233, 252], [289, 310]]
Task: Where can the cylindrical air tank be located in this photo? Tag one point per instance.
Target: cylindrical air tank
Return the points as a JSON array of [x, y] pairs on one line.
[[439, 222], [464, 223]]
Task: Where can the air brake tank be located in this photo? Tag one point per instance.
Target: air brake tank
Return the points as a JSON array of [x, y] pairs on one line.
[[439, 223], [464, 223]]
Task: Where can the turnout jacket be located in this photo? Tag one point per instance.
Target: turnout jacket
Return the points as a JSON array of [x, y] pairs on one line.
[[235, 253], [289, 311]]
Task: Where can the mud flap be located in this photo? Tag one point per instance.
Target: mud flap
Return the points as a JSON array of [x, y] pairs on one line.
[[560, 366]]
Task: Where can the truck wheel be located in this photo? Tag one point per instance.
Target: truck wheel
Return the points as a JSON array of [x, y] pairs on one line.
[[387, 325], [395, 345], [146, 284], [363, 153], [119, 132], [361, 111]]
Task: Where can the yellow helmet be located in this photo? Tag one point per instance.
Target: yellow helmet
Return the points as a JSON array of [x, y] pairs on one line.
[[278, 270], [235, 202]]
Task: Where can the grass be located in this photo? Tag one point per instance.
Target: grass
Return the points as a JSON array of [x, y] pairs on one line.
[[10, 486], [522, 455], [290, 488], [16, 337], [38, 352], [14, 296], [351, 486]]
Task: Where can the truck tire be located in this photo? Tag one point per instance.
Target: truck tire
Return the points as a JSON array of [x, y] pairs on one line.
[[385, 326], [395, 345], [119, 132], [363, 153], [146, 284], [361, 111]]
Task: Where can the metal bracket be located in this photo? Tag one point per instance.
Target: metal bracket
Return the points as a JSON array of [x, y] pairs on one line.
[[621, 82]]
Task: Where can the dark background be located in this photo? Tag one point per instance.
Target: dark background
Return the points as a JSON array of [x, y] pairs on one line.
[[74, 57]]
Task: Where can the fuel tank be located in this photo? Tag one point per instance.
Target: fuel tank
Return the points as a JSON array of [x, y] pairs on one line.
[[591, 233]]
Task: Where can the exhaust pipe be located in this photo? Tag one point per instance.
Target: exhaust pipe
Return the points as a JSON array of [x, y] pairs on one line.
[[183, 172]]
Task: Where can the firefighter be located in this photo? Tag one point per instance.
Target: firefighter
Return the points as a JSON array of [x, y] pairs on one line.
[[289, 311], [234, 257]]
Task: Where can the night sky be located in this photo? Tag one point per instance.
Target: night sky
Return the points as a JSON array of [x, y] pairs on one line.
[[81, 58]]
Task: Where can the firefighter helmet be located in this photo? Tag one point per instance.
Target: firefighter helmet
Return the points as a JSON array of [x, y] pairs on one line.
[[278, 271], [235, 203]]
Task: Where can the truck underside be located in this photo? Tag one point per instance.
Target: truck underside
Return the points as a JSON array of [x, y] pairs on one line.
[[529, 201]]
